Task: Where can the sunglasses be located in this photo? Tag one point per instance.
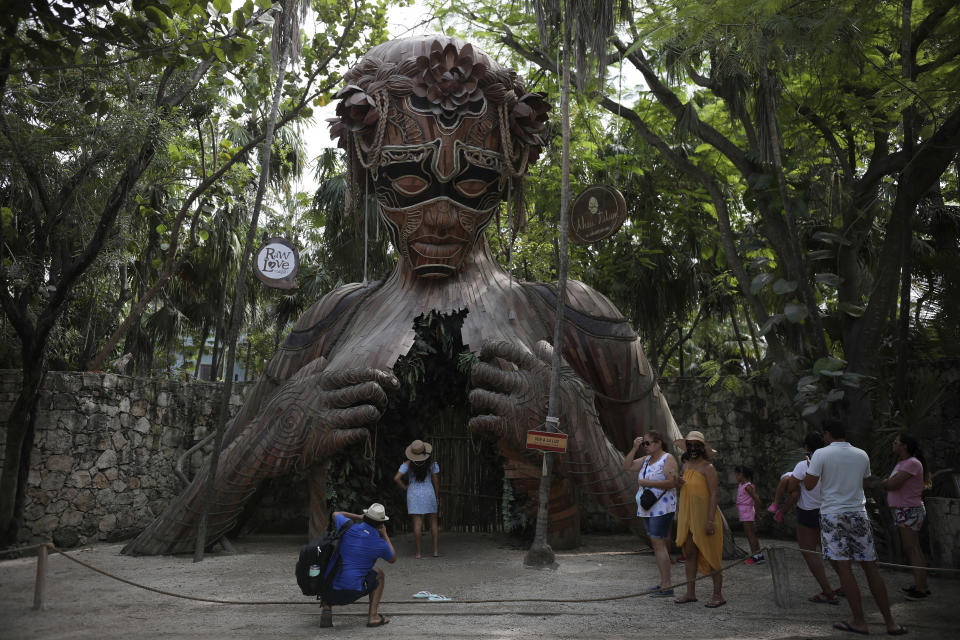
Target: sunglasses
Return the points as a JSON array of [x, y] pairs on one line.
[[647, 443]]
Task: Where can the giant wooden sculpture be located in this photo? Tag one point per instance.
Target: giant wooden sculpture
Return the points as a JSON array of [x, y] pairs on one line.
[[443, 135]]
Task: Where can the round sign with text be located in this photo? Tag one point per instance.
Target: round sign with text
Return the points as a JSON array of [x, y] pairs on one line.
[[277, 263], [596, 214]]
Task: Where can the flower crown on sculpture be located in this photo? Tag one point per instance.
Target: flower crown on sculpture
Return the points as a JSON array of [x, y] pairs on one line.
[[448, 84]]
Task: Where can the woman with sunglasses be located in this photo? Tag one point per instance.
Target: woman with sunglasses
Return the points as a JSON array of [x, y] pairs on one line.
[[656, 471], [699, 532]]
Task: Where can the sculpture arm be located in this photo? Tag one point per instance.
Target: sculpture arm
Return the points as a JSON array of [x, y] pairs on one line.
[[511, 387]]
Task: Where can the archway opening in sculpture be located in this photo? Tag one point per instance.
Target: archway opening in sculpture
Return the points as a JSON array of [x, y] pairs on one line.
[[431, 405]]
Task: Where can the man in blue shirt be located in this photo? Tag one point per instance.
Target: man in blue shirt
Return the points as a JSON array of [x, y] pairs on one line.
[[360, 547]]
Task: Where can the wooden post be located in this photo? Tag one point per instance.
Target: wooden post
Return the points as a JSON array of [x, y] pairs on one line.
[[777, 558], [41, 582]]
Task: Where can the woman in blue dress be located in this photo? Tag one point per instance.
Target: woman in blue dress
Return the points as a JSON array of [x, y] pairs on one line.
[[419, 477]]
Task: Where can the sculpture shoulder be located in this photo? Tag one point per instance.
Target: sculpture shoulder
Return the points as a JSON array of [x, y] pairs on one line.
[[586, 308], [316, 329]]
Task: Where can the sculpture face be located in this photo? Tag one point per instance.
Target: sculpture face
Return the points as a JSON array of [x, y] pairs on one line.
[[440, 131], [438, 196]]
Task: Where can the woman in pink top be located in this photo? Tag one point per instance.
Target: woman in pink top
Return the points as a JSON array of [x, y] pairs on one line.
[[904, 487]]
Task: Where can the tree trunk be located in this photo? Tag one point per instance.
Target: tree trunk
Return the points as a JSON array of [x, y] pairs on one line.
[[203, 344], [236, 315], [16, 463]]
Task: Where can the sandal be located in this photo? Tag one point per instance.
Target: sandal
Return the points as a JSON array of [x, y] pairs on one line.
[[824, 598], [713, 604], [845, 626], [379, 623], [684, 600]]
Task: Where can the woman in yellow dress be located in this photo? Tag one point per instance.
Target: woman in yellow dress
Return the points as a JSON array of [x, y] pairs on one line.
[[698, 518]]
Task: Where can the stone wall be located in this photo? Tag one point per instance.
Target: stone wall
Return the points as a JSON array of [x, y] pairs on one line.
[[105, 447], [943, 518]]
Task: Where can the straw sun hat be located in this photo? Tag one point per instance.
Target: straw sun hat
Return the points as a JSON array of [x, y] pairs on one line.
[[695, 436], [419, 451]]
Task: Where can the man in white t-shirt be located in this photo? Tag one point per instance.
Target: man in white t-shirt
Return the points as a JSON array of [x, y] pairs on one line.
[[841, 471]]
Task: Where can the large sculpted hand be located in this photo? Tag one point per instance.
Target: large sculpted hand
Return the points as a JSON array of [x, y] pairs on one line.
[[511, 391], [311, 416], [511, 396]]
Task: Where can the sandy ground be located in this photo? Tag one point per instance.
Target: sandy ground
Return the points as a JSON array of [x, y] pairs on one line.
[[85, 604]]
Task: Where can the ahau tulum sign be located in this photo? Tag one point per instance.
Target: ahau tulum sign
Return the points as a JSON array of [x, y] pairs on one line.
[[277, 263], [596, 214]]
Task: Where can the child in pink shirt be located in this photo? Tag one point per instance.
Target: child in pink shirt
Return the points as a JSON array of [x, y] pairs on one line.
[[747, 503]]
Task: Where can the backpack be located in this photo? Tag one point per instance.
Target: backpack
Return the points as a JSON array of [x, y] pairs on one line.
[[323, 553]]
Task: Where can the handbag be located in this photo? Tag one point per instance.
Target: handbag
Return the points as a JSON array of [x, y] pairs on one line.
[[648, 498]]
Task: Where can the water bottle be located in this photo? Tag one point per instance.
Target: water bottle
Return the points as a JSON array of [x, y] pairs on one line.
[[314, 570]]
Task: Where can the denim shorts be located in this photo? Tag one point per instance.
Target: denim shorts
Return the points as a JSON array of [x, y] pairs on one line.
[[658, 526]]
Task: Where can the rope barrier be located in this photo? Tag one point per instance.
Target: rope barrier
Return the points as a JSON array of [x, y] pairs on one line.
[[417, 602], [638, 594], [879, 564], [16, 550]]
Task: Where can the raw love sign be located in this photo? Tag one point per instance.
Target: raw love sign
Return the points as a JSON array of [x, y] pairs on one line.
[[277, 263]]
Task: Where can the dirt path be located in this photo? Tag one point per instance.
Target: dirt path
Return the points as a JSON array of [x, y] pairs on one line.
[[84, 604]]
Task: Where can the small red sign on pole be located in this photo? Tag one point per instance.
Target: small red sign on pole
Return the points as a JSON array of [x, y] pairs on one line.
[[547, 441]]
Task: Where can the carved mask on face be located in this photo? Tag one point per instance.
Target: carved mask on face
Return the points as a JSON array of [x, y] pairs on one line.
[[695, 449], [427, 120], [437, 196]]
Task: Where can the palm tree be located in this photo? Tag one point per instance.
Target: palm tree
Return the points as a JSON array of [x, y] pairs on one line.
[[586, 25], [285, 46]]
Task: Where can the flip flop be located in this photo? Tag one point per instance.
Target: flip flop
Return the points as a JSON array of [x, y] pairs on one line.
[[434, 597], [823, 598], [422, 594], [843, 625], [899, 631], [379, 623], [684, 600], [713, 604]]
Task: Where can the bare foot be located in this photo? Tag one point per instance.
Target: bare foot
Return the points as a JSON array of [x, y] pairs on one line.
[[417, 556], [685, 599]]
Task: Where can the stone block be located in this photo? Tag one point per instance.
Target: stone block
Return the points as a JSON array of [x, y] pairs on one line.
[[163, 399], [107, 523], [60, 463], [52, 480], [109, 381], [119, 442], [101, 481], [126, 420], [58, 506], [46, 524], [71, 518], [109, 410], [107, 459], [65, 402], [120, 486], [139, 408], [83, 500], [142, 426], [88, 406], [124, 405]]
